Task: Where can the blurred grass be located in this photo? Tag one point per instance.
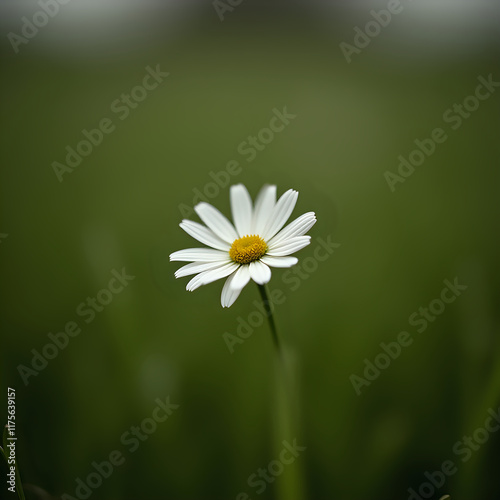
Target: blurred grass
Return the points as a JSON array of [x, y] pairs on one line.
[[120, 208]]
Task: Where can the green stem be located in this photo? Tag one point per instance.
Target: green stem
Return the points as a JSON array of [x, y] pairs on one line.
[[290, 486], [264, 293]]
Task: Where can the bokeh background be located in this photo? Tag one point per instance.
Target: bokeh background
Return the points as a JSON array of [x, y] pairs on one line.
[[122, 205]]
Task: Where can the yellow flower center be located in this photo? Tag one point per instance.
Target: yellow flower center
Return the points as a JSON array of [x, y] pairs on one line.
[[247, 249]]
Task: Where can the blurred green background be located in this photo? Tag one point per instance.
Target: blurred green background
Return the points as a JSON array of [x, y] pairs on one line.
[[121, 208]]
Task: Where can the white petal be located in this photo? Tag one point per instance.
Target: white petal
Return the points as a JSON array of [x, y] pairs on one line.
[[289, 246], [200, 254], [278, 261], [259, 272], [196, 267], [212, 275], [203, 235], [241, 278], [197, 281], [241, 208], [217, 222], [229, 294], [280, 214], [264, 205], [298, 227]]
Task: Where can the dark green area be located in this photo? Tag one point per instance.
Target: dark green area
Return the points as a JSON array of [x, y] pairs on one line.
[[120, 208]]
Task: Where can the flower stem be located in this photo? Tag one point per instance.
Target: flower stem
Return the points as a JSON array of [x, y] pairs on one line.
[[290, 487], [264, 293]]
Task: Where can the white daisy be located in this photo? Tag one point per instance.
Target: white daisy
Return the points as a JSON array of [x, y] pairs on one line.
[[247, 249]]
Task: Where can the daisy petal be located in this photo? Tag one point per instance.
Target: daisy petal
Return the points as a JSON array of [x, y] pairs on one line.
[[207, 277], [264, 205], [203, 235], [290, 245], [259, 272], [199, 254], [241, 208], [278, 261], [229, 294], [196, 267], [298, 227], [280, 213], [241, 278], [217, 222]]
